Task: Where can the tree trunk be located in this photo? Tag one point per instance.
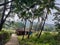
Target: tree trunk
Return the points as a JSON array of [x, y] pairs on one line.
[[1, 25], [2, 19], [42, 26], [39, 25], [6, 3], [41, 29], [3, 14], [31, 24], [24, 29]]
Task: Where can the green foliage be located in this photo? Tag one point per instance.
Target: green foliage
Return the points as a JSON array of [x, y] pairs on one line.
[[57, 21], [5, 36], [45, 39]]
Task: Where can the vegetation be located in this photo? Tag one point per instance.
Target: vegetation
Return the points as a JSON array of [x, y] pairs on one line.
[[29, 10], [4, 36], [57, 21], [46, 38], [2, 12]]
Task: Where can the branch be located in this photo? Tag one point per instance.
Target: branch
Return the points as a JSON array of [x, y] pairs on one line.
[[6, 3], [8, 13], [3, 12], [29, 20]]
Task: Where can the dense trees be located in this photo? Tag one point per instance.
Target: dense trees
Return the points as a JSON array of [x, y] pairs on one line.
[[48, 5], [28, 10], [57, 21]]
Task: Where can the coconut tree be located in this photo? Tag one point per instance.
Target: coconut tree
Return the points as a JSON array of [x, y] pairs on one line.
[[48, 5]]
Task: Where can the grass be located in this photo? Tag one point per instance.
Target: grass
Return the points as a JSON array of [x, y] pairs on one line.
[[47, 38]]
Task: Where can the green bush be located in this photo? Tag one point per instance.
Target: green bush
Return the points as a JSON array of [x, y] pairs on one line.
[[45, 39], [5, 36]]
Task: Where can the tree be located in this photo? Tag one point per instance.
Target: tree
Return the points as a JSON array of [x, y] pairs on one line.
[[27, 5], [57, 21], [4, 16], [10, 22], [47, 4], [24, 7]]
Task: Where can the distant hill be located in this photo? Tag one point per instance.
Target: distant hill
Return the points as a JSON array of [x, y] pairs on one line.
[[48, 25], [28, 24]]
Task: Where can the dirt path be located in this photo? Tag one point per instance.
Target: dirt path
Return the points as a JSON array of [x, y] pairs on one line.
[[13, 40]]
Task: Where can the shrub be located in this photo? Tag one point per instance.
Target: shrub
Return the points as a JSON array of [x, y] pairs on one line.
[[45, 39], [4, 36]]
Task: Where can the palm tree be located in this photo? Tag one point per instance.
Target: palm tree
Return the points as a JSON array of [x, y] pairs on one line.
[[47, 4]]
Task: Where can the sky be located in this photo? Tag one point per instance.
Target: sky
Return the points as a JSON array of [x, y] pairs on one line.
[[50, 17]]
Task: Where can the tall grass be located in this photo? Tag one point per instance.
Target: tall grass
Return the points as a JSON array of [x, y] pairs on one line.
[[46, 38]]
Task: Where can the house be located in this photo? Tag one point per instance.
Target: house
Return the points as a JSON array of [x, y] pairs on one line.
[[21, 32]]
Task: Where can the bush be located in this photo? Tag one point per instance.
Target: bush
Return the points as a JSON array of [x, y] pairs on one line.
[[4, 36], [45, 39]]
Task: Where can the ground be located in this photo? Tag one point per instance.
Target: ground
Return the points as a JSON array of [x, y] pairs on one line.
[[13, 40]]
